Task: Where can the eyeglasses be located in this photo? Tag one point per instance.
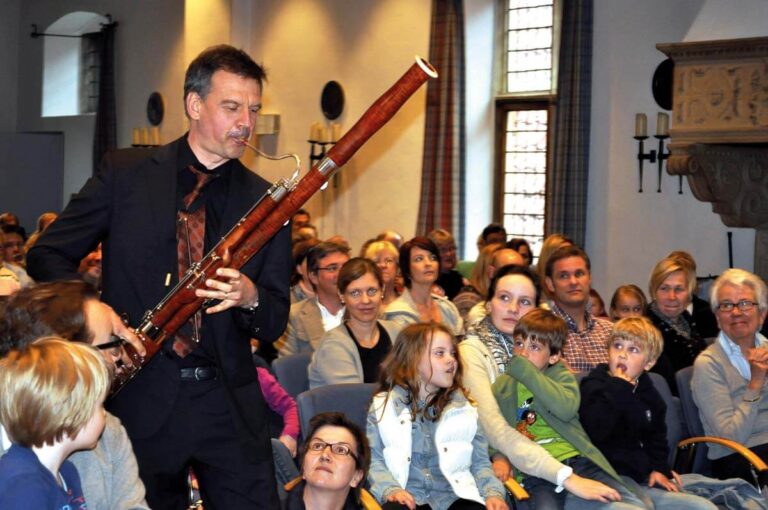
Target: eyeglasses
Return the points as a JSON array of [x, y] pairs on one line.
[[114, 346], [338, 449], [386, 262], [333, 268], [358, 293], [743, 305]]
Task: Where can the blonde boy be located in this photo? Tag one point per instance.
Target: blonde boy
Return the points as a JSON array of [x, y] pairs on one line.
[[51, 404], [540, 396], [624, 415]]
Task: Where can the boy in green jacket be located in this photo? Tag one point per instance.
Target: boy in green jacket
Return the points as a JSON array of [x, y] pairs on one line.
[[540, 397]]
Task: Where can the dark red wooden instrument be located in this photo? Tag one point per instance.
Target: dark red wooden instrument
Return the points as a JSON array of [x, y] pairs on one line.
[[263, 221]]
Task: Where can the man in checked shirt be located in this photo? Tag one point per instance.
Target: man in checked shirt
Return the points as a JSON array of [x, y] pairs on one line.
[[568, 279]]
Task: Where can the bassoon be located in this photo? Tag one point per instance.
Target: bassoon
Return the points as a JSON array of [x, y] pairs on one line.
[[265, 218]]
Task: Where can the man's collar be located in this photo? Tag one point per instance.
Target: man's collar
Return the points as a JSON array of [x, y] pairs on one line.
[[589, 320]]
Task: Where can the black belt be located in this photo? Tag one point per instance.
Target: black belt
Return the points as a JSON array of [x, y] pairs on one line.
[[199, 373]]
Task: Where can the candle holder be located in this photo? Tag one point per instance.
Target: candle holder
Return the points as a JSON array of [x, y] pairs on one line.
[[661, 157], [317, 152], [642, 156]]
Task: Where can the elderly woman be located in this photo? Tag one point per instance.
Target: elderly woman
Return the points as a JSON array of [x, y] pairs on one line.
[[729, 376], [334, 464], [385, 255], [420, 265], [671, 285], [484, 353], [353, 351], [449, 280]]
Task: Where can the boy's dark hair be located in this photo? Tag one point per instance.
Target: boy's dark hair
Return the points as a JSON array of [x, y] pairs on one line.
[[492, 228], [219, 58], [545, 327], [15, 229], [565, 252], [362, 455], [405, 255]]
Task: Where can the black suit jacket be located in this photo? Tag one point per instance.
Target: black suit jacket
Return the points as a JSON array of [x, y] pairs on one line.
[[130, 206]]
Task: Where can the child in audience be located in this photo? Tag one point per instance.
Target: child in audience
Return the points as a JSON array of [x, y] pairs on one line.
[[53, 393], [428, 450], [624, 416], [628, 301], [538, 394]]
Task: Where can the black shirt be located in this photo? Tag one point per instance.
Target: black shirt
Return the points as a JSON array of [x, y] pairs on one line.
[[371, 358], [451, 282]]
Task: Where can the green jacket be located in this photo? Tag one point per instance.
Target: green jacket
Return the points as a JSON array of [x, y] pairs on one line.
[[557, 394]]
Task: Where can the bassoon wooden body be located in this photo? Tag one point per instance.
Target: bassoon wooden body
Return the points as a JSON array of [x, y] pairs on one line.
[[263, 221]]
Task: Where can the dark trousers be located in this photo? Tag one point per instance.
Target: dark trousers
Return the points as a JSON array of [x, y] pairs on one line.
[[200, 434], [459, 504], [736, 466]]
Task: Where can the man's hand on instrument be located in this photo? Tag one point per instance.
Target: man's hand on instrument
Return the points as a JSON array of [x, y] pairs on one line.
[[121, 330], [233, 289]]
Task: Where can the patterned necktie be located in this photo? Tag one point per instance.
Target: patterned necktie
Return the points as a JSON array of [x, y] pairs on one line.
[[190, 238]]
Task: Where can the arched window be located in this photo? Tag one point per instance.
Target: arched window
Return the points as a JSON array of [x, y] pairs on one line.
[[71, 65]]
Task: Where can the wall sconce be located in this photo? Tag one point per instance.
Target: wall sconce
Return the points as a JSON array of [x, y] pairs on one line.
[[654, 156]]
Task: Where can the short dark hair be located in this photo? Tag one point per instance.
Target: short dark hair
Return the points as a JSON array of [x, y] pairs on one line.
[[15, 229], [46, 309], [515, 244], [321, 250], [356, 268], [299, 252], [405, 255], [543, 326], [513, 269], [222, 57], [336, 419], [565, 252], [493, 228], [301, 211]]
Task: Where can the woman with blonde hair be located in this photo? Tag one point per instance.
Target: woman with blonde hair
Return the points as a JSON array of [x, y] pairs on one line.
[[385, 255]]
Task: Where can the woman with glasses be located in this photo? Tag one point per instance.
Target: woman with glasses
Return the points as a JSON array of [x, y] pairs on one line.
[[729, 376], [671, 286], [385, 255], [353, 351], [420, 264], [334, 464]]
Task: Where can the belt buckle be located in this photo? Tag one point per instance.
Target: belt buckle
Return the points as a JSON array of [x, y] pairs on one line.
[[199, 372]]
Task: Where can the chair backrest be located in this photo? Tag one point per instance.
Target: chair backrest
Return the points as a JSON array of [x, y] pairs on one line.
[[350, 399], [674, 419], [291, 372], [683, 378]]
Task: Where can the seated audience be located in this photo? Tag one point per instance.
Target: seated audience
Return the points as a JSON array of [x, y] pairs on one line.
[[596, 304], [449, 279], [43, 221], [421, 397], [628, 301], [385, 256], [729, 376], [472, 294], [501, 257], [53, 405], [334, 464], [353, 352], [671, 286], [551, 243], [491, 234], [540, 397], [420, 265], [522, 247], [301, 286], [568, 279], [309, 319], [484, 355], [624, 416], [13, 255], [391, 236], [71, 310], [699, 308]]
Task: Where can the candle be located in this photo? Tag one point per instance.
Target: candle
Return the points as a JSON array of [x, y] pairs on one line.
[[136, 138], [144, 136], [155, 135], [335, 132], [662, 124], [641, 125]]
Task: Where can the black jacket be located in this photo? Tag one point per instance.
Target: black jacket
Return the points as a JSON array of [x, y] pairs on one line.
[[626, 423]]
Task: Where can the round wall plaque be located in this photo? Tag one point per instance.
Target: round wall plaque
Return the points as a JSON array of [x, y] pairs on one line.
[[332, 100], [155, 108]]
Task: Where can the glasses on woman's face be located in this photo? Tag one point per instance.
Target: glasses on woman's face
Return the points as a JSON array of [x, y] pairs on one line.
[[338, 449], [386, 261]]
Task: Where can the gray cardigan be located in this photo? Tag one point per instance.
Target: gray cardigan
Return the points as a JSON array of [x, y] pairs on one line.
[[403, 311], [336, 359], [109, 474], [723, 399]]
